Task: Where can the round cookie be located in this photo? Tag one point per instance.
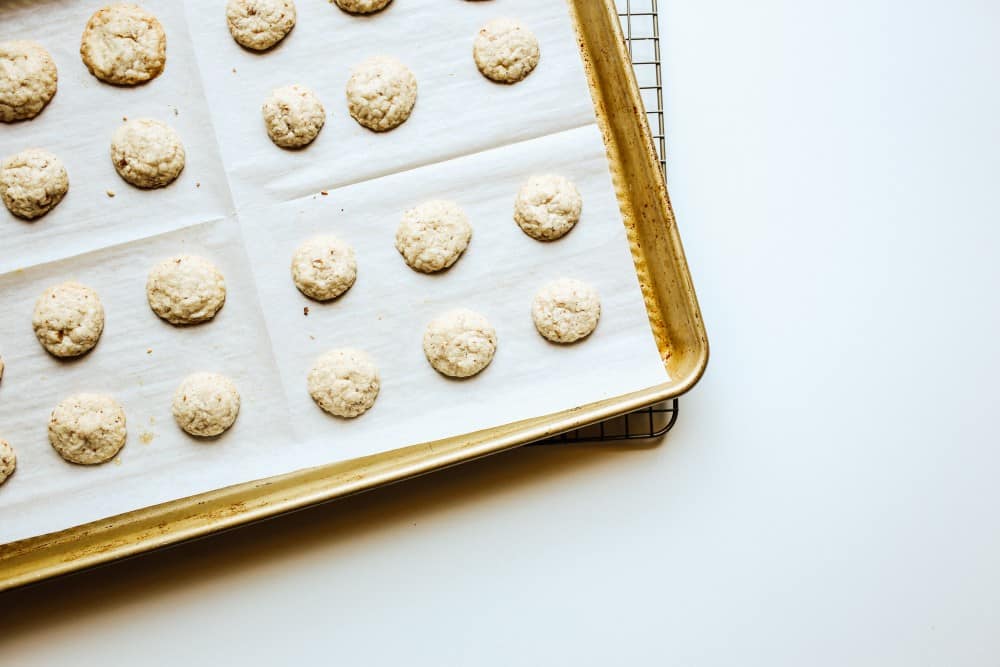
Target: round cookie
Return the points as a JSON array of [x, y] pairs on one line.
[[8, 460], [381, 93], [323, 268], [566, 310], [28, 80], [147, 153], [293, 116], [260, 24], [206, 404], [87, 428], [124, 44], [547, 207], [460, 343], [68, 319], [505, 51], [32, 182], [344, 382], [362, 6], [185, 289], [432, 236]]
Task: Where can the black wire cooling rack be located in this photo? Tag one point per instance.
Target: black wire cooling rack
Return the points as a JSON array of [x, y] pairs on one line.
[[640, 23]]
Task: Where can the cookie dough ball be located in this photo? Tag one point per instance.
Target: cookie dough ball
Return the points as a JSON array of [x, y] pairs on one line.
[[28, 80], [8, 461], [381, 93], [323, 268], [32, 182], [124, 44], [147, 153], [87, 428], [344, 382], [206, 404], [260, 24], [293, 116], [186, 289], [505, 51], [566, 310], [68, 319], [432, 236], [362, 6], [460, 343], [547, 207]]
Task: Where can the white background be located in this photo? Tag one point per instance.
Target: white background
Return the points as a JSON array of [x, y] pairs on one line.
[[831, 492]]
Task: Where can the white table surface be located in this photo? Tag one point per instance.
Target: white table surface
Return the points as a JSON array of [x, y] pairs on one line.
[[830, 495]]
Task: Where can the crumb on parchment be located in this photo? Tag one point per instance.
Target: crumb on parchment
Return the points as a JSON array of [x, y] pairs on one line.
[[110, 193]]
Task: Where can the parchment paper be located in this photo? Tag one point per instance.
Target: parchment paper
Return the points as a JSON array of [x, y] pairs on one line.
[[77, 126], [469, 140], [140, 360], [458, 110], [386, 310]]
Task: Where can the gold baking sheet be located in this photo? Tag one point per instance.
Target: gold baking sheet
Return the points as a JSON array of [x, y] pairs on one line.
[[673, 314], [267, 325]]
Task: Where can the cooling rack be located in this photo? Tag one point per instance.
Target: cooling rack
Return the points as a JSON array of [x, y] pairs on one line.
[[640, 23]]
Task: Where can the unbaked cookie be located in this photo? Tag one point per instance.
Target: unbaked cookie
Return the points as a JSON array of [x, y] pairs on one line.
[[432, 236], [566, 310], [8, 461], [87, 428], [362, 6], [381, 93], [32, 182], [547, 207], [344, 382], [147, 153], [293, 116], [124, 44], [206, 404], [323, 268], [68, 319], [260, 24], [505, 51], [185, 289], [460, 343], [28, 80]]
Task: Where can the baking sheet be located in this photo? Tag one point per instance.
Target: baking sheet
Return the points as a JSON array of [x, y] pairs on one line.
[[474, 142]]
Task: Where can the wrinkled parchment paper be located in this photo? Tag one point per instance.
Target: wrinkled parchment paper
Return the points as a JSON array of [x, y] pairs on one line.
[[469, 140]]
